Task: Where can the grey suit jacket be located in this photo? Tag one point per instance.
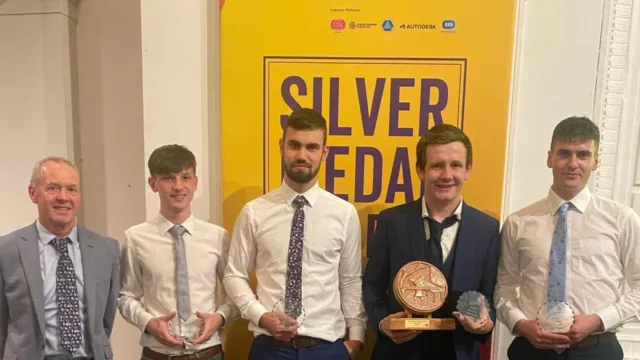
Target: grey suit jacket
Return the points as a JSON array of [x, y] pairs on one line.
[[22, 298]]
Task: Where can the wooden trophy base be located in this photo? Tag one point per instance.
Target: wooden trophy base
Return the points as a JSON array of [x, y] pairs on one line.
[[411, 323]]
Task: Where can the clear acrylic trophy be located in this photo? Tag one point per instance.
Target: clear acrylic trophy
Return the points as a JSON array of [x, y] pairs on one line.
[[474, 305], [555, 317], [187, 330]]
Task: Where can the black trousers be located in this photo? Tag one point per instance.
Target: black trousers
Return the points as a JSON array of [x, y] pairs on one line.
[[521, 349]]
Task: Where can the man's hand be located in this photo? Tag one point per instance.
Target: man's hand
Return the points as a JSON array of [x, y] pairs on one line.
[[540, 339], [159, 328], [279, 325], [353, 346], [583, 325], [399, 336], [210, 324], [483, 326]]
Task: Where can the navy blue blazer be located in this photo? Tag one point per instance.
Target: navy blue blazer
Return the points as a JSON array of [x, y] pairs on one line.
[[399, 238]]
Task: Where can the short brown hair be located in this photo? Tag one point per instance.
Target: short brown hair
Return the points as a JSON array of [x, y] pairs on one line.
[[306, 119], [442, 134], [576, 128], [171, 159]]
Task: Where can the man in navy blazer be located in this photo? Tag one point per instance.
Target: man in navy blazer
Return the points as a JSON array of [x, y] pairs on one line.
[[441, 229]]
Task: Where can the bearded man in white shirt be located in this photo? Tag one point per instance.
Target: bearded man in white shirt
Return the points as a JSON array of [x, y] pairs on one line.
[[586, 244], [304, 245], [176, 263]]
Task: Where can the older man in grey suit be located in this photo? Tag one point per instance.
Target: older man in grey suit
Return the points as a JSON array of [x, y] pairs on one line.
[[59, 282]]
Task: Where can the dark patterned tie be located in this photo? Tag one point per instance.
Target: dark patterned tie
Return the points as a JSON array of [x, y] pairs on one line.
[[67, 297], [293, 292], [434, 243], [182, 274]]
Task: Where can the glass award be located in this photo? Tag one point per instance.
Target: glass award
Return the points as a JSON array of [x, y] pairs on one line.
[[186, 330], [474, 305], [555, 317], [279, 306]]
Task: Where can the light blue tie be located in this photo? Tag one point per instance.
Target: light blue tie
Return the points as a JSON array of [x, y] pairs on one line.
[[557, 287], [182, 274]]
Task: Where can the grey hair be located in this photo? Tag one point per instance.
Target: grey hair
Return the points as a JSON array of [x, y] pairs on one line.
[[35, 175]]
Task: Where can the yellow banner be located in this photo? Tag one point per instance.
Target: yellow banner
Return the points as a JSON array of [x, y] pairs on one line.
[[381, 73]]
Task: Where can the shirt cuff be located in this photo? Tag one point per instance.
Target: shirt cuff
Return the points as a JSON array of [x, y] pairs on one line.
[[515, 315], [224, 316], [609, 316], [226, 311], [357, 333], [143, 320], [255, 312]]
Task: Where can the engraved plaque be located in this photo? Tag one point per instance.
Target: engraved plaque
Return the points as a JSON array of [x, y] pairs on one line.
[[555, 317], [420, 287]]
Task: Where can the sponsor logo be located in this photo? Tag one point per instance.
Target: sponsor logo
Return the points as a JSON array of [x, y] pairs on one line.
[[359, 25], [387, 25], [338, 24], [418, 26], [449, 25]]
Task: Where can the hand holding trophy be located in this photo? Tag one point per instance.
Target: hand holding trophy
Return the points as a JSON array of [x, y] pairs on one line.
[[185, 330], [473, 313], [421, 289]]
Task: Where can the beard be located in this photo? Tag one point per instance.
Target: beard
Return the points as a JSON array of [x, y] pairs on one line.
[[301, 175]]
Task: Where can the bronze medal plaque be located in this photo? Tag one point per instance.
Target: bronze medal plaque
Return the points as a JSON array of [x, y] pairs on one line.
[[421, 289]]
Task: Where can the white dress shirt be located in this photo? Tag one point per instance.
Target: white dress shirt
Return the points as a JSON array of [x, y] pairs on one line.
[[149, 277], [449, 234], [331, 263], [602, 256]]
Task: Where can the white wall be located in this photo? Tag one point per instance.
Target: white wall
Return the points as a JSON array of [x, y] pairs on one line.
[[36, 112], [175, 81]]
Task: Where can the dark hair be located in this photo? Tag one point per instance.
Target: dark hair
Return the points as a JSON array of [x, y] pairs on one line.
[[576, 128], [442, 134], [171, 159], [306, 119]]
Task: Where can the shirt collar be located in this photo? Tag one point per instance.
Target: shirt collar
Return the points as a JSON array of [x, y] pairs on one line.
[[288, 194], [580, 201], [47, 236], [164, 225], [425, 212]]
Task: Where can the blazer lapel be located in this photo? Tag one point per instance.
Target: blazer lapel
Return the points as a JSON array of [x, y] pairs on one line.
[[30, 257], [90, 260], [465, 246], [416, 229]]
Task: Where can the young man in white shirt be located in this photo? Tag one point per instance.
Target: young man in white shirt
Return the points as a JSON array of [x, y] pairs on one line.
[[176, 263], [304, 245], [586, 244]]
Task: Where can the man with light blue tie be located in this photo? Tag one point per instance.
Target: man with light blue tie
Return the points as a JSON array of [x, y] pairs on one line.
[[572, 248], [59, 281]]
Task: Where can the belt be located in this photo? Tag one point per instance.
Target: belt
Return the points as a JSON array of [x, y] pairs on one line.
[[593, 340], [301, 342], [202, 354]]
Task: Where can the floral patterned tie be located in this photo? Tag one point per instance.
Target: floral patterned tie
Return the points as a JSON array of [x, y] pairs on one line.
[[67, 298], [293, 291]]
